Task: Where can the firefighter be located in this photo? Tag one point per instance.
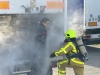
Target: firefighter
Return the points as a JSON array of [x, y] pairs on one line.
[[69, 49]]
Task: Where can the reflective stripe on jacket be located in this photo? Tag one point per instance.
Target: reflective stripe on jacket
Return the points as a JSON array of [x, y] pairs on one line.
[[69, 48]]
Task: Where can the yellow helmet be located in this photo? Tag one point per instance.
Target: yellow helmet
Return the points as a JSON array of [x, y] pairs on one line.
[[70, 34]]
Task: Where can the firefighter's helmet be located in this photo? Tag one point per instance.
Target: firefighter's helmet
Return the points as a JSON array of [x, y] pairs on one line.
[[70, 34]]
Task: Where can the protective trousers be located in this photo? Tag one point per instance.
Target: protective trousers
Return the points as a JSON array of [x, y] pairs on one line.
[[78, 70]]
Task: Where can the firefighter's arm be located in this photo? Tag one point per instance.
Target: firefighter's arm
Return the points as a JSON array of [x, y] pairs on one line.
[[62, 51]]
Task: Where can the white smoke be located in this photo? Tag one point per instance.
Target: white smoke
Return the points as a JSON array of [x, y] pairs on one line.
[[8, 49], [17, 43], [76, 16], [54, 38], [76, 22]]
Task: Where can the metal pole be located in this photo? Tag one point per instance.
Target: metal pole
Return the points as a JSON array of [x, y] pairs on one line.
[[65, 16], [84, 13]]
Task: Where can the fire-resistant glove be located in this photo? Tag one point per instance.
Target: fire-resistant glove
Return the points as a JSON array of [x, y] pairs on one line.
[[52, 55]]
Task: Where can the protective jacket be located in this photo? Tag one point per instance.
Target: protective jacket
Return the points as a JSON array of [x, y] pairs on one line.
[[70, 49], [41, 34]]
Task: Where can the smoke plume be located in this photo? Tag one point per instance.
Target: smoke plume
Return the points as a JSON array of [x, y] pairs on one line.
[[17, 41], [76, 16]]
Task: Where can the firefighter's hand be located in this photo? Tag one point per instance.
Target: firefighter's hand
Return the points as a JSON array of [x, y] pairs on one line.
[[52, 55]]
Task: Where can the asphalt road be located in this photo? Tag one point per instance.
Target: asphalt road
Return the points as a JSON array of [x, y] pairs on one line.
[[92, 66]]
